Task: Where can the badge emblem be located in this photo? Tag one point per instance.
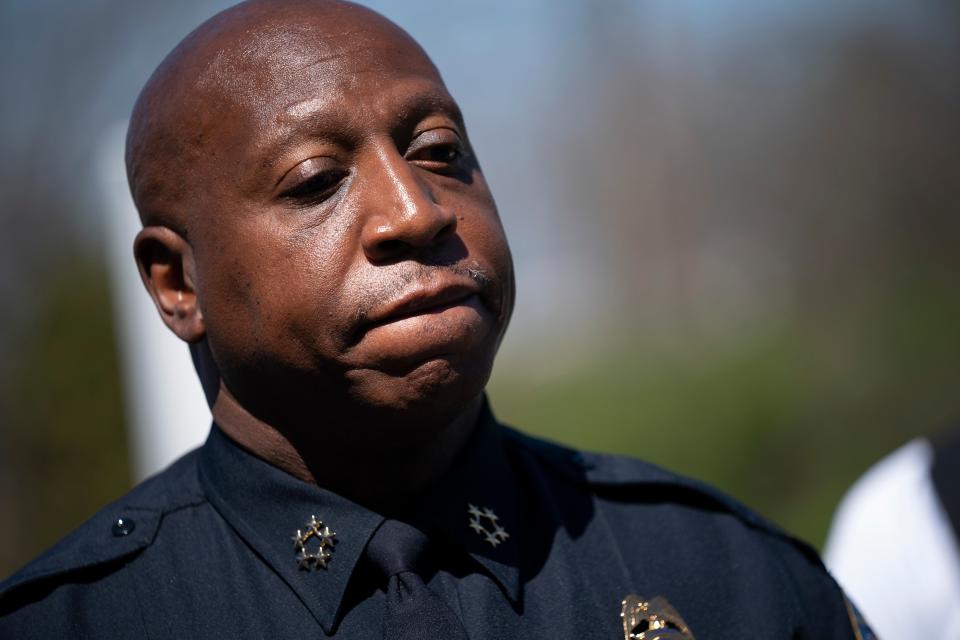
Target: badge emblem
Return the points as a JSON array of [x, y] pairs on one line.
[[496, 534], [326, 540], [653, 620]]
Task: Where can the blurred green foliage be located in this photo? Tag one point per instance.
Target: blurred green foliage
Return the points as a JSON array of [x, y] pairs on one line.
[[63, 425]]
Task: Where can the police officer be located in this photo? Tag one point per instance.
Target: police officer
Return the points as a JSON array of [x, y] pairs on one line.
[[317, 227]]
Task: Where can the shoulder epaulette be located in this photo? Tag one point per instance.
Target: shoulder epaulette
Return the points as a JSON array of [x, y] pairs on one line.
[[606, 473], [593, 468], [116, 532]]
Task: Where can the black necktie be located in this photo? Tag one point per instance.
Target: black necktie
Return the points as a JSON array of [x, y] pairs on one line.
[[413, 612]]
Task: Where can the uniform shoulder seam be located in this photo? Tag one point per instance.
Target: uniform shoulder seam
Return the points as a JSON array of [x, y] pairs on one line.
[[116, 532], [560, 459], [617, 477], [698, 493]]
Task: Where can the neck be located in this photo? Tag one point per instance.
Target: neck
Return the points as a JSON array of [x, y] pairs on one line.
[[381, 466]]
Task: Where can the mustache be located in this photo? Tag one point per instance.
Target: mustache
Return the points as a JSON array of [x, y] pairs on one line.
[[396, 283]]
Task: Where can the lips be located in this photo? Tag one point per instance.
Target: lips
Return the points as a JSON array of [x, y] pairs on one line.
[[421, 299]]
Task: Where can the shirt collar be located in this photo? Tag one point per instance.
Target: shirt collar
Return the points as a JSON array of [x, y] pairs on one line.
[[267, 506], [475, 504]]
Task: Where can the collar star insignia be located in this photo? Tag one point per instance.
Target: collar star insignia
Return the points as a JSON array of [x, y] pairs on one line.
[[495, 534], [326, 539]]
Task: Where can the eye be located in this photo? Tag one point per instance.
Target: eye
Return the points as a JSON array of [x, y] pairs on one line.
[[440, 153], [312, 181], [316, 188], [440, 150]]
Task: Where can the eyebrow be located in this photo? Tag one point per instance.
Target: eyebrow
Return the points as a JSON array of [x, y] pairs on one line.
[[314, 112], [430, 101], [315, 116], [304, 108]]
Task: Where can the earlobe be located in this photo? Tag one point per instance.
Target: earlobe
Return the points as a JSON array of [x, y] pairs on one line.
[[165, 261]]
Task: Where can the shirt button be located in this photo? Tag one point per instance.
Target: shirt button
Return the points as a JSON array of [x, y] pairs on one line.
[[581, 461], [123, 527]]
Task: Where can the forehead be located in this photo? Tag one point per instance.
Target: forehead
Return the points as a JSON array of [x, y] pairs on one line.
[[283, 71], [243, 79]]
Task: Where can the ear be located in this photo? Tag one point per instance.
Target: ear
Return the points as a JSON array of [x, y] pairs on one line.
[[165, 260]]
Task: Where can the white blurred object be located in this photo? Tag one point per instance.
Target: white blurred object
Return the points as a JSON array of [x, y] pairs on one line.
[[167, 414], [892, 549]]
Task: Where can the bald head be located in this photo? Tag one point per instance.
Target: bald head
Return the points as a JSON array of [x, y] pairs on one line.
[[225, 77]]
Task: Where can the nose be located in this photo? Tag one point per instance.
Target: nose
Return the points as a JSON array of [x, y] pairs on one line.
[[401, 215]]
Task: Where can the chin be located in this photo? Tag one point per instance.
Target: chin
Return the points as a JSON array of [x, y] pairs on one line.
[[435, 390]]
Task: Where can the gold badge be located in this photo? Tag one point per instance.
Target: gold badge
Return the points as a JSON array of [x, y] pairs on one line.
[[494, 536], [326, 538], [653, 620]]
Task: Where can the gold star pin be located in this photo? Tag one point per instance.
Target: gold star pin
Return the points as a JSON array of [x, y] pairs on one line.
[[326, 540], [494, 535]]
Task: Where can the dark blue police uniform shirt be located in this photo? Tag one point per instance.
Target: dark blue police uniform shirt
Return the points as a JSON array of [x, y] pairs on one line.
[[205, 549]]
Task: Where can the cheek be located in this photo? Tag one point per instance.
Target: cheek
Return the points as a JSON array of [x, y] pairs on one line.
[[270, 293], [480, 227]]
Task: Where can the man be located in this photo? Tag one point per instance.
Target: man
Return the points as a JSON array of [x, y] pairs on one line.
[[317, 227]]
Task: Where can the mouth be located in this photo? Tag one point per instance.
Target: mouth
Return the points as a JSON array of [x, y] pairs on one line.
[[422, 300], [442, 317]]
